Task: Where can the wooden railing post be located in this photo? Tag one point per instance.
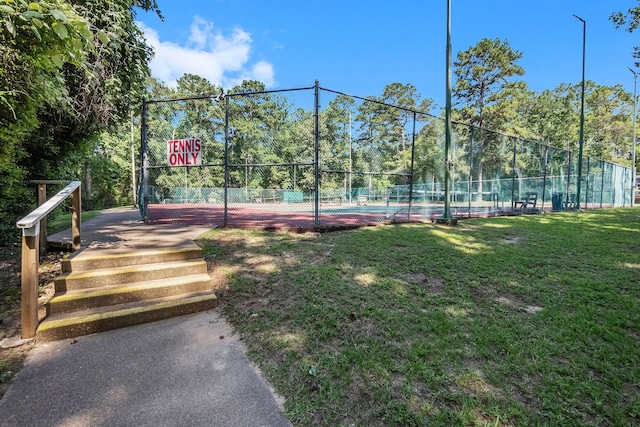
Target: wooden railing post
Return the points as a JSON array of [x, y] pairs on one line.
[[42, 197], [30, 226], [76, 218], [30, 281]]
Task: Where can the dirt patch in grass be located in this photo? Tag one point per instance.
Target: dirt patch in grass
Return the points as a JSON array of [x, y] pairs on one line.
[[434, 284]]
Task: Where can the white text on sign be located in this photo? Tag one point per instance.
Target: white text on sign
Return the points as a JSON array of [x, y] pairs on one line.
[[184, 152]]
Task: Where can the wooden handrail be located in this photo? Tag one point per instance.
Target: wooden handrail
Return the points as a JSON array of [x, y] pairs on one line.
[[30, 226]]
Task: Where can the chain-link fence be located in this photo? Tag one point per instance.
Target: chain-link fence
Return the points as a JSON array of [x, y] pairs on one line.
[[313, 157]]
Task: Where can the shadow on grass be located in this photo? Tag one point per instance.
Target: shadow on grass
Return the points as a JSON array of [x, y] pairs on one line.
[[530, 320]]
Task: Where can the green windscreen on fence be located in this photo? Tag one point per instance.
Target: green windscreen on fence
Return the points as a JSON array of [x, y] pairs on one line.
[[312, 157]]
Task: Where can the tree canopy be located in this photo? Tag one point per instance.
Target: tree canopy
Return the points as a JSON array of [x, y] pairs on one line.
[[70, 69], [629, 20]]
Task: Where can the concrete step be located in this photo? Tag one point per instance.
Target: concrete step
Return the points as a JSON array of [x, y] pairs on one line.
[[128, 274], [62, 326], [95, 260], [83, 299]]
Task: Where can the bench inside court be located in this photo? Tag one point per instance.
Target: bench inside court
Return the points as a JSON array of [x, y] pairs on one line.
[[528, 202]]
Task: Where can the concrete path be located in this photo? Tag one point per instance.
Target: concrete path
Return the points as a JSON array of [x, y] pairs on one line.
[[123, 228], [186, 371]]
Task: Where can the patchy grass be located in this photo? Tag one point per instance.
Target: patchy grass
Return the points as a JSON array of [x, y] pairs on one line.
[[530, 320], [62, 222]]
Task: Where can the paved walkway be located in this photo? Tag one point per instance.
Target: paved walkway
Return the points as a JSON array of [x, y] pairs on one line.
[[186, 371]]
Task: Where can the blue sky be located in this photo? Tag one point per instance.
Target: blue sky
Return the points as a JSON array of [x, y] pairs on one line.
[[359, 47]]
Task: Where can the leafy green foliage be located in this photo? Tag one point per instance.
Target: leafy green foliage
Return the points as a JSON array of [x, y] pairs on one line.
[[70, 69], [629, 20], [483, 79]]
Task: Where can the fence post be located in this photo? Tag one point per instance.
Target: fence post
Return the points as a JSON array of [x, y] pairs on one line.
[[29, 285], [544, 177], [614, 174], [42, 197], [316, 148], [513, 176], [413, 152], [568, 182], [586, 190], [470, 180], [602, 184], [144, 165], [226, 159]]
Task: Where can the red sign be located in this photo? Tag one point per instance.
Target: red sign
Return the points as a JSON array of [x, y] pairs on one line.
[[184, 152]]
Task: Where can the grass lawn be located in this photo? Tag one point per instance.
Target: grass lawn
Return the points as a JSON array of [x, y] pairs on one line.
[[62, 222], [513, 321]]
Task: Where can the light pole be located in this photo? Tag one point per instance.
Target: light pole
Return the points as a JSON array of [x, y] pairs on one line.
[[446, 216], [584, 44], [633, 140]]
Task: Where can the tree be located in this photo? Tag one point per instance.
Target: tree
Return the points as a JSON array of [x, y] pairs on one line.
[[101, 89], [484, 82], [608, 124], [36, 39], [630, 21], [383, 138], [553, 116], [70, 70]]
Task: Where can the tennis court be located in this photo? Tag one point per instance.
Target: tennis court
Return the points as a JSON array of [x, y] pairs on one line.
[[332, 213], [313, 158]]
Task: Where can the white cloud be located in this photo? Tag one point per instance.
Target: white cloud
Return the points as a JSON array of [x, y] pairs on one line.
[[223, 59]]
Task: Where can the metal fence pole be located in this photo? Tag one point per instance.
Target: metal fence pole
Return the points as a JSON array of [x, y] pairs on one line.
[[613, 187], [144, 149], [566, 199], [471, 167], [586, 190], [513, 176], [413, 152], [602, 184], [544, 177], [226, 160], [624, 185], [316, 149]]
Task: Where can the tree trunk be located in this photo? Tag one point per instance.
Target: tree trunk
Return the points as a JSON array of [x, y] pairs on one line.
[[480, 165], [87, 186]]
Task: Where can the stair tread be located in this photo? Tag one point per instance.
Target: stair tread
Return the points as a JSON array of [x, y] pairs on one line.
[[91, 256], [124, 288], [130, 257], [99, 272], [84, 316]]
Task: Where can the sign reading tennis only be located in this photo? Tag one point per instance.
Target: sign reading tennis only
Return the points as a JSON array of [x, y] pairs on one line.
[[184, 152]]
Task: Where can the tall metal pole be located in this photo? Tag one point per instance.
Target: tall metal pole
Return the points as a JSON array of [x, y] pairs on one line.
[[411, 170], [143, 201], [316, 149], [226, 161], [446, 216], [584, 44], [633, 140]]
